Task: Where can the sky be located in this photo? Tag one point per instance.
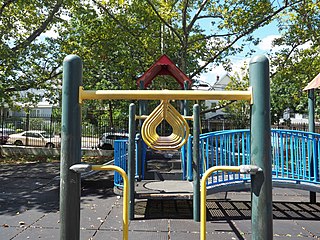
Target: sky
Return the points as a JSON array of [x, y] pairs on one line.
[[267, 34]]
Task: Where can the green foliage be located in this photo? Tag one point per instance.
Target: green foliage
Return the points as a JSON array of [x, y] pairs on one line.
[[298, 61], [28, 61], [119, 40], [36, 124], [238, 112]]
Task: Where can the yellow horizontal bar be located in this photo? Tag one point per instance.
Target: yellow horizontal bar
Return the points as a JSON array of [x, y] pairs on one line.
[[163, 95], [145, 116], [125, 214], [203, 212]]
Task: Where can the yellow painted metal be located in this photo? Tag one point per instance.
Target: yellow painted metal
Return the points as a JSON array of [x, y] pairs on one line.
[[203, 196], [164, 95], [180, 128], [145, 116], [125, 214]]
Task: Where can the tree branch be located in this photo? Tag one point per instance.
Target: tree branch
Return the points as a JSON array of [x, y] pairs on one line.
[[210, 16], [165, 22], [41, 29], [217, 107], [4, 5], [184, 18], [195, 17], [211, 36], [245, 33], [25, 87], [287, 57]]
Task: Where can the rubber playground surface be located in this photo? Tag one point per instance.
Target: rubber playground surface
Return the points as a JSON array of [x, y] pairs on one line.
[[29, 208]]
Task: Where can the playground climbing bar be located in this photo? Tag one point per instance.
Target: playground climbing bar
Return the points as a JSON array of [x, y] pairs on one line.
[[163, 95]]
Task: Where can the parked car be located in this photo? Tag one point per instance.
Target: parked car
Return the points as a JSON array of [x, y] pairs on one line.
[[4, 134], [106, 141], [34, 138]]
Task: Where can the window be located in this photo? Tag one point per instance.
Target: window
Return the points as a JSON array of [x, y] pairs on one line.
[[35, 112]]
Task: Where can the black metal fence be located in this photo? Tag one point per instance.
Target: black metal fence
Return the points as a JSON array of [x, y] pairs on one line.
[[91, 133], [52, 126]]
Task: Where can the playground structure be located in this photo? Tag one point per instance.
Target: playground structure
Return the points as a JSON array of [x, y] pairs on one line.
[[256, 146]]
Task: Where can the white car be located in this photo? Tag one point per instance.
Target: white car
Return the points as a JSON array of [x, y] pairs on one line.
[[106, 141], [34, 138]]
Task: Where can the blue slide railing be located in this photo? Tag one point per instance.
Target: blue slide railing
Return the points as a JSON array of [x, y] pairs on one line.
[[295, 156]]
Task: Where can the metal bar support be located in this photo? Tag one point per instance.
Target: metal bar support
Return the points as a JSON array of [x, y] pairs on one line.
[[70, 149], [245, 169], [196, 163], [311, 111], [163, 95], [131, 158], [261, 183]]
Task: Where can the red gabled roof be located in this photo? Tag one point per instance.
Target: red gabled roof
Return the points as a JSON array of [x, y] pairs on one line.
[[164, 66], [315, 83]]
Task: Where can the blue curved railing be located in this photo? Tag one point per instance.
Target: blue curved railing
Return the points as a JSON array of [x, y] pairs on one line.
[[295, 156]]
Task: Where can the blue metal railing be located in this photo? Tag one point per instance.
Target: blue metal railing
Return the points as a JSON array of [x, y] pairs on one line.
[[121, 159], [225, 148], [295, 155]]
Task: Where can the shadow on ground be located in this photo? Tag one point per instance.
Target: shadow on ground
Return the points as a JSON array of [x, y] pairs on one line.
[[225, 209], [36, 186]]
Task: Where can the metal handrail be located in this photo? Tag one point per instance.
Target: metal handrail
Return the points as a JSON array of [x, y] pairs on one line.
[[295, 155], [80, 168], [242, 169]]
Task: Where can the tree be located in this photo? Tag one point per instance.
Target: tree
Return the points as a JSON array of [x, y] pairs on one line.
[[28, 58], [297, 63], [231, 24], [119, 42], [238, 112]]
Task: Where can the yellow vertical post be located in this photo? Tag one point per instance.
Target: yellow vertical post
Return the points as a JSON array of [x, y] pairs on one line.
[[203, 212], [125, 214]]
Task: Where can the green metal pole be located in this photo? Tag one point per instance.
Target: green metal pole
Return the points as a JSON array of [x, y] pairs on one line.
[[141, 104], [131, 158], [138, 136], [70, 149], [311, 107], [196, 162], [185, 105], [261, 183], [139, 156]]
